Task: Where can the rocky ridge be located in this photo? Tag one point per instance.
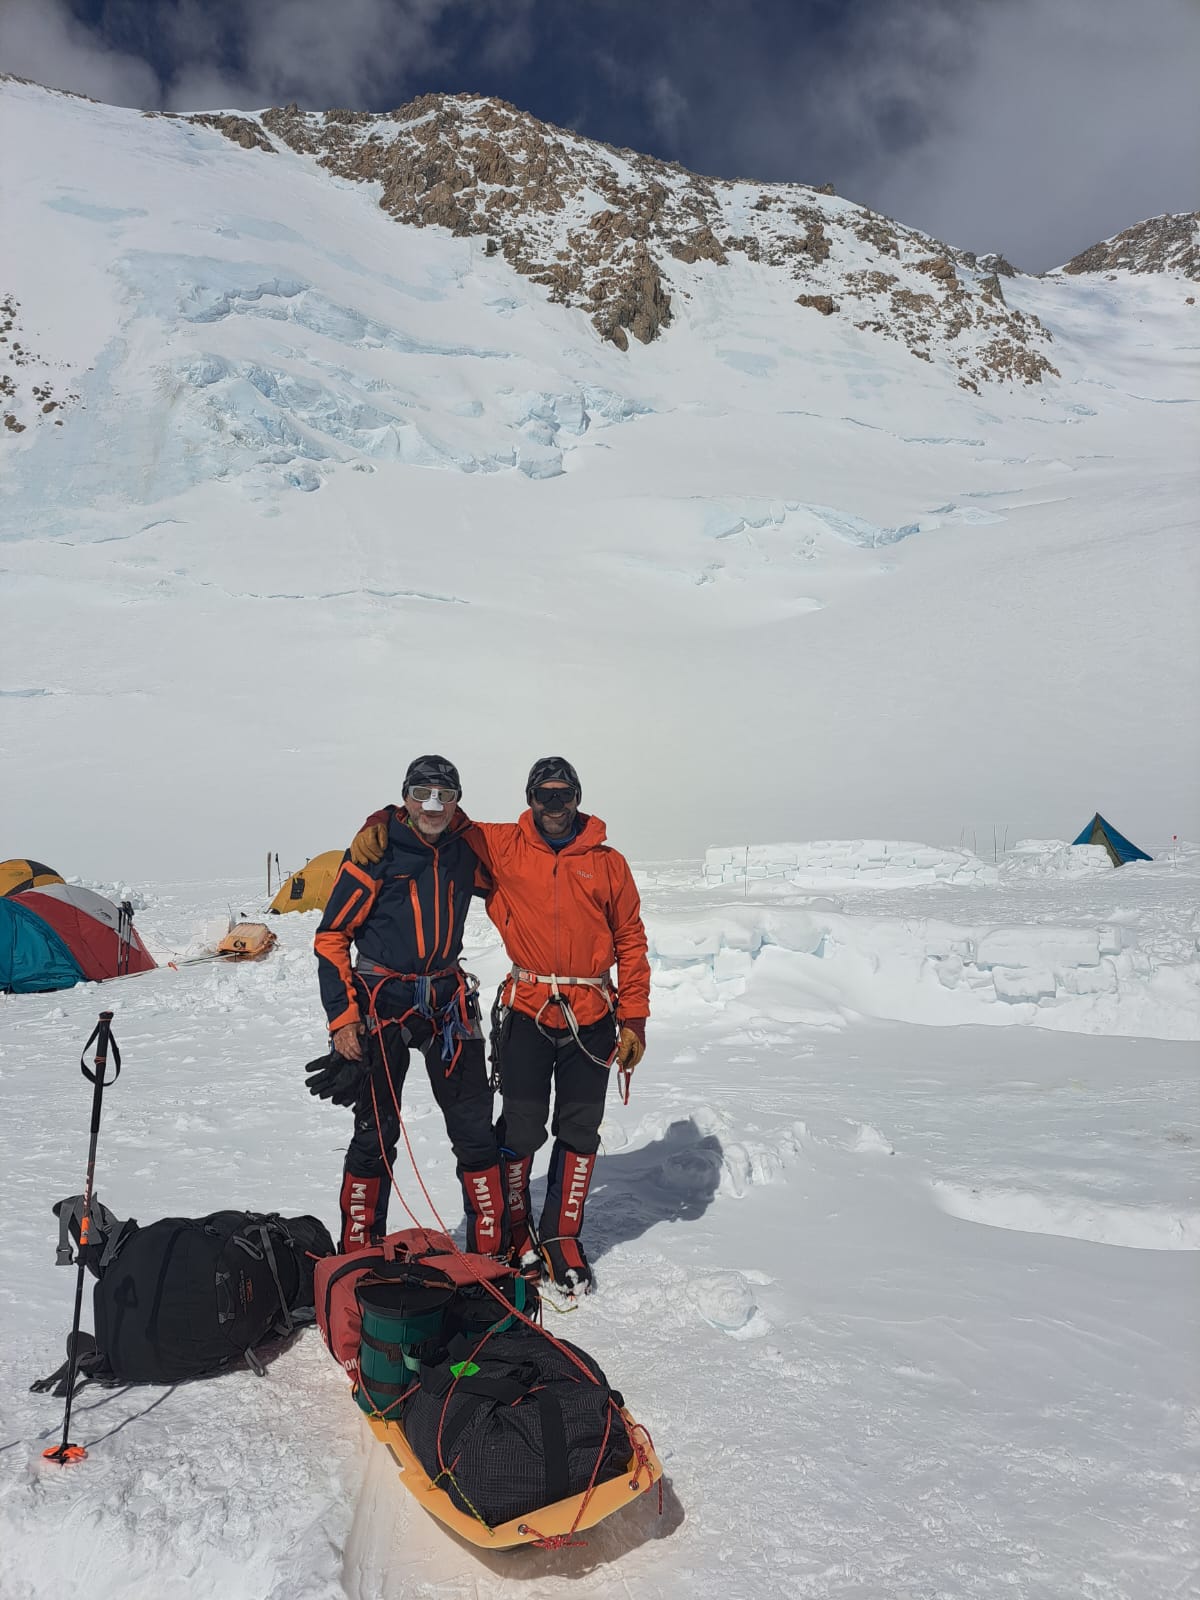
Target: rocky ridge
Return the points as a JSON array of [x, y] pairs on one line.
[[1160, 244], [621, 235]]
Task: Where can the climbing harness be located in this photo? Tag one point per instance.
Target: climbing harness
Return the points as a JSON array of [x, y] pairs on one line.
[[455, 1019], [556, 983]]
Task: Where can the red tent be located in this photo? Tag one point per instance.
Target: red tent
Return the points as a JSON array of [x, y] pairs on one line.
[[102, 941]]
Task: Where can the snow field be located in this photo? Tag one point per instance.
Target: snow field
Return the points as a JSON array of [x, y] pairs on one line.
[[903, 1306], [318, 456]]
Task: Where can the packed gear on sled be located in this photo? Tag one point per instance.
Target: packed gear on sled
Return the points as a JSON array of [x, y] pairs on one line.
[[21, 873], [524, 1429], [505, 1435], [185, 1296], [247, 941], [336, 1282], [554, 1526], [309, 888]]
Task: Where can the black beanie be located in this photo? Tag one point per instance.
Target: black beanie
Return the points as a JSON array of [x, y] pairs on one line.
[[552, 769], [435, 771]]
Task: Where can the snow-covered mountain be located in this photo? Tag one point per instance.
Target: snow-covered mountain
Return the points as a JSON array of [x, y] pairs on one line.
[[328, 437]]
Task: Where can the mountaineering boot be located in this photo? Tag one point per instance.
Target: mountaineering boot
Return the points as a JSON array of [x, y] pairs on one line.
[[483, 1203], [562, 1219], [364, 1205], [521, 1250]]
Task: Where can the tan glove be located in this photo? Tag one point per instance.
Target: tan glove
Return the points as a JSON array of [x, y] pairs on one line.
[[631, 1044], [369, 844], [347, 1041]]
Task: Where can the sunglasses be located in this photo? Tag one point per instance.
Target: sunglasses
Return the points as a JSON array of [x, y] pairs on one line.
[[422, 792], [553, 799]]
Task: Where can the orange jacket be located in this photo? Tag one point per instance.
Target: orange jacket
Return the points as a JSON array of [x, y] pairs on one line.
[[574, 912]]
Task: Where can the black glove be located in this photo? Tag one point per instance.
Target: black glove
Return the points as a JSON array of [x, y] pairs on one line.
[[334, 1078]]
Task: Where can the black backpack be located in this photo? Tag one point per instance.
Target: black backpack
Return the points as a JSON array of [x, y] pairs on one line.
[[189, 1295], [526, 1429]]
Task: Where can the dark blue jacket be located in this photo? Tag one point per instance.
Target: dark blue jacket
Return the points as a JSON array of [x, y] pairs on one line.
[[405, 914]]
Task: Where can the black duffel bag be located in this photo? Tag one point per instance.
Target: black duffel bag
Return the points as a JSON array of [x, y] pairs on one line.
[[525, 1430], [189, 1295]]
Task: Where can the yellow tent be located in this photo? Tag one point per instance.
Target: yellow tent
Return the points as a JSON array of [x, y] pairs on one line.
[[19, 874], [308, 889]]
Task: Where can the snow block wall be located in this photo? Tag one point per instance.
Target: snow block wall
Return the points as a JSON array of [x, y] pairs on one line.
[[835, 966], [1051, 858], [825, 959]]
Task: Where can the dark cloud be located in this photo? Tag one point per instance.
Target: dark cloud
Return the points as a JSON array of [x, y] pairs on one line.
[[41, 39], [1031, 126], [186, 55]]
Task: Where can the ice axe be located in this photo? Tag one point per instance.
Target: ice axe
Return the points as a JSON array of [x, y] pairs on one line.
[[66, 1452]]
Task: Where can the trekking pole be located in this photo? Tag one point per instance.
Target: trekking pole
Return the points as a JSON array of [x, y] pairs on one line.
[[124, 938], [102, 1034]]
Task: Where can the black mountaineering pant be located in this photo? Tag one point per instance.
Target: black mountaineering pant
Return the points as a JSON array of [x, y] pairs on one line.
[[466, 1104], [531, 1064]]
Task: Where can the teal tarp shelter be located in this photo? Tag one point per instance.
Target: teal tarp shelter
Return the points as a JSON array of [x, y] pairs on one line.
[[1119, 848], [33, 959]]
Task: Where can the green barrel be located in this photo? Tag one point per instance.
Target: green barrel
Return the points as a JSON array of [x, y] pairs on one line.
[[399, 1316]]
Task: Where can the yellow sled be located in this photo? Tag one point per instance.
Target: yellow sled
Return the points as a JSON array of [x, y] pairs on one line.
[[550, 1526]]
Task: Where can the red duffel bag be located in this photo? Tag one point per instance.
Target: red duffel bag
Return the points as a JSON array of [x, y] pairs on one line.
[[336, 1278]]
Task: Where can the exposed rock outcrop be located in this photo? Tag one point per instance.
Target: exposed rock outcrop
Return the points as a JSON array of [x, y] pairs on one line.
[[240, 129], [1160, 244], [27, 391], [617, 235]]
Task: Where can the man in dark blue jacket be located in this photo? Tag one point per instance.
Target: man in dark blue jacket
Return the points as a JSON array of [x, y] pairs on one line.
[[405, 987]]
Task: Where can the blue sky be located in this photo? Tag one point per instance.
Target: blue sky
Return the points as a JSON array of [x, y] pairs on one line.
[[1034, 127]]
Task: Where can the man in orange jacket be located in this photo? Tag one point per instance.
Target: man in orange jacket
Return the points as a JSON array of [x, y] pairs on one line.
[[568, 910]]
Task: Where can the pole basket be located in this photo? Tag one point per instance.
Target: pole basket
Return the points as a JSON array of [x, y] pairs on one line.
[[65, 1454]]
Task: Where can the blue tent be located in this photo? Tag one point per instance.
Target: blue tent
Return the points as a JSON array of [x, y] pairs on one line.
[[33, 958], [1119, 848]]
